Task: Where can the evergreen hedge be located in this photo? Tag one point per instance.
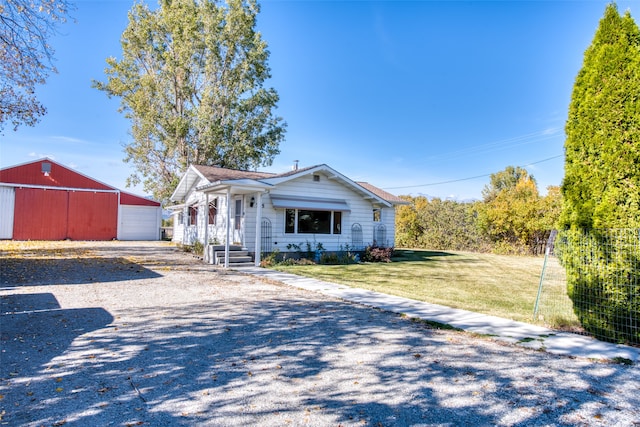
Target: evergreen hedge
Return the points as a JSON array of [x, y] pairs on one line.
[[601, 187], [603, 277]]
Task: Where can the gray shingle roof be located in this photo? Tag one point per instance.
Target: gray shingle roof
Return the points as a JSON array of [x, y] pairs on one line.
[[391, 198], [215, 173]]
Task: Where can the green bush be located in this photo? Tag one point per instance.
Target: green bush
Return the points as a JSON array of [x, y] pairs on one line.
[[329, 258], [603, 281], [270, 259], [198, 248]]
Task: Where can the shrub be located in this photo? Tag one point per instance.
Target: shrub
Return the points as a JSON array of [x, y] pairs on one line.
[[198, 248], [330, 258], [313, 251], [270, 259], [375, 253]]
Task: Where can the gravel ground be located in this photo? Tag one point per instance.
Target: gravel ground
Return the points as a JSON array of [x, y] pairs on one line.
[[141, 334]]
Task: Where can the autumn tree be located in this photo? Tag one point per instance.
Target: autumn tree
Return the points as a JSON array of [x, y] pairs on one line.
[[507, 215], [503, 180], [191, 80], [513, 214], [438, 224], [601, 187], [26, 57], [550, 207], [408, 229]]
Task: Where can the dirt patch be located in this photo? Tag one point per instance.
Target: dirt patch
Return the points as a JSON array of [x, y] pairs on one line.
[[140, 333]]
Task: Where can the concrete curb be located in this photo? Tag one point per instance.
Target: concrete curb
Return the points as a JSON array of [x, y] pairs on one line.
[[523, 334]]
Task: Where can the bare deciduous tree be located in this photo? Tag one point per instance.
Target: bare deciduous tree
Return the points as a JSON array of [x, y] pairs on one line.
[[26, 57]]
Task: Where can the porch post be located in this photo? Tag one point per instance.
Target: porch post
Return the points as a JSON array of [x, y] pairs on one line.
[[258, 247], [185, 224], [226, 243], [206, 227]]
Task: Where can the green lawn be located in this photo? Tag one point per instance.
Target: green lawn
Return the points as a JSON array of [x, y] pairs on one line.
[[504, 286]]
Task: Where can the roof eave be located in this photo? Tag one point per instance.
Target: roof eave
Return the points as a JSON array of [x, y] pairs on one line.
[[334, 175], [186, 182], [237, 186]]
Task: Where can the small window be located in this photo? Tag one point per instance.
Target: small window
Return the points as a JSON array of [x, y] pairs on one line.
[[377, 215], [316, 178], [337, 223], [290, 221], [238, 214], [213, 211], [180, 218], [193, 215]]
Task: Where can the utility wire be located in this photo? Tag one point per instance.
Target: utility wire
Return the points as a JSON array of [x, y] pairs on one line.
[[469, 178]]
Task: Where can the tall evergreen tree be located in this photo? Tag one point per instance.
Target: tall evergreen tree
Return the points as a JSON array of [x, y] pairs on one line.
[[191, 80], [601, 187]]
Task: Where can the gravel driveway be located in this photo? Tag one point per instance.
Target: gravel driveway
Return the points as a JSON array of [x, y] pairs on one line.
[[142, 334]]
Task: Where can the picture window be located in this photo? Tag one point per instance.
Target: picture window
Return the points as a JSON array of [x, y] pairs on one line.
[[303, 221]]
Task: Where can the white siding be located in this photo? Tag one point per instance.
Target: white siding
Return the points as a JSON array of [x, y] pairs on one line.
[[193, 232], [178, 226], [361, 213], [189, 233], [7, 208], [139, 222]]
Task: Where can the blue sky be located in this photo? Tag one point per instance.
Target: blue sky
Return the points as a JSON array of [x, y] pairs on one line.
[[416, 97]]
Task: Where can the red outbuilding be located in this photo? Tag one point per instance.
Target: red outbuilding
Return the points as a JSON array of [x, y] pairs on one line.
[[44, 200]]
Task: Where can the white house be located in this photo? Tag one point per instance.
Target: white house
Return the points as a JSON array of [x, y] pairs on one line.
[[264, 212]]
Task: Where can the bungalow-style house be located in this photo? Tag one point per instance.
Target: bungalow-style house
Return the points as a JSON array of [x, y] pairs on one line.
[[263, 212]]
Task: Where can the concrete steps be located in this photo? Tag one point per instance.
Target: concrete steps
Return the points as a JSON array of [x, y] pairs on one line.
[[238, 256]]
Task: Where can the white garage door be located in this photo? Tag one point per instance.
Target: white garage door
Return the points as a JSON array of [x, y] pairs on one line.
[[139, 223], [7, 205]]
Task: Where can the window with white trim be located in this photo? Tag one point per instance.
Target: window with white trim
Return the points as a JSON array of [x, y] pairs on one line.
[[193, 215], [302, 221], [237, 218], [213, 211]]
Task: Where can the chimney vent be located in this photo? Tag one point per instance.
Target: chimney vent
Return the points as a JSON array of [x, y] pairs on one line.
[[295, 165]]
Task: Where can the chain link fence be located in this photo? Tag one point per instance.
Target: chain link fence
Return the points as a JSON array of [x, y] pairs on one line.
[[590, 284]]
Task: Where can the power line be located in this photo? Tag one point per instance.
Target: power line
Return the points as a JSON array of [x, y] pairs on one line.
[[469, 178], [530, 138]]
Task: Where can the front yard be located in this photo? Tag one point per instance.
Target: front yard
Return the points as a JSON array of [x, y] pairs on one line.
[[499, 285]]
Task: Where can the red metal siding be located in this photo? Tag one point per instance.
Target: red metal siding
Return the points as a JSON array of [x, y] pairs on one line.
[[93, 216], [40, 214], [60, 176], [61, 214]]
